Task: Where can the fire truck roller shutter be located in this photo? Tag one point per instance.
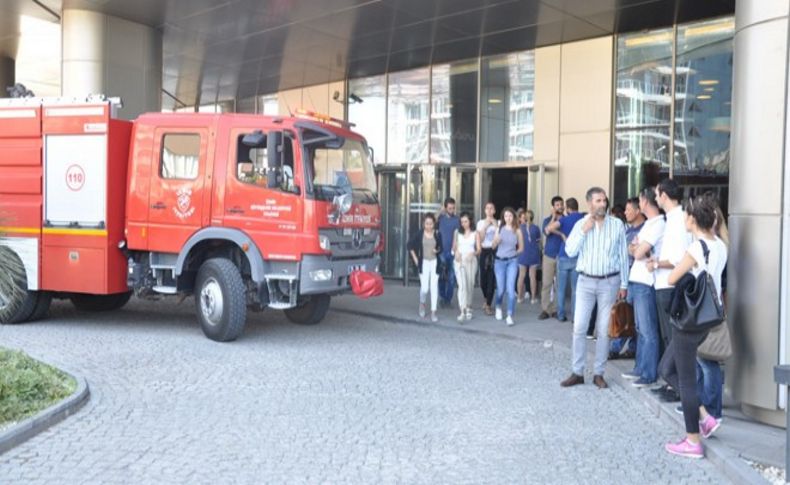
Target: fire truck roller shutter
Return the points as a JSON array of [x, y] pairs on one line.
[[224, 234]]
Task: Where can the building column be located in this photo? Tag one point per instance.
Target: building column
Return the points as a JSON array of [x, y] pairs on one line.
[[7, 75], [108, 55], [757, 281]]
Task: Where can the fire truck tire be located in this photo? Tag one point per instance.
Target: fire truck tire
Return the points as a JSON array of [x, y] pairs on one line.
[[311, 312], [100, 303], [220, 300], [19, 306], [42, 306]]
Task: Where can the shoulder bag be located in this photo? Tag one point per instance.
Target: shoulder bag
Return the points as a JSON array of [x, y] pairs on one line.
[[696, 307]]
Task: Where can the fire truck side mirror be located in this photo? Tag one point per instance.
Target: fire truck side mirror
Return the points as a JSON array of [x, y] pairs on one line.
[[255, 139]]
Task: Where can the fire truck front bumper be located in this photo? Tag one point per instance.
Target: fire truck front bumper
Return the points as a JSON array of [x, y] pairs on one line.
[[321, 274]]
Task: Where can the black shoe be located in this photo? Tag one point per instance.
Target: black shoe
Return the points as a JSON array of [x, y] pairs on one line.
[[669, 396], [543, 316], [554, 315], [563, 319], [660, 390]]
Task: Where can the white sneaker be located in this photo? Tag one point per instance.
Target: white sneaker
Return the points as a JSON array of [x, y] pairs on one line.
[[509, 321], [468, 313], [461, 317], [434, 318], [422, 310], [498, 313]]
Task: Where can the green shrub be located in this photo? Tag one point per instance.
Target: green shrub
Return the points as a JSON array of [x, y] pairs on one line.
[[28, 386]]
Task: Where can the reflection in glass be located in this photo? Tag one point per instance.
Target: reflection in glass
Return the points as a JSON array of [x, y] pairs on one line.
[[454, 112], [370, 115], [393, 196], [703, 94], [507, 107], [643, 111], [407, 115]]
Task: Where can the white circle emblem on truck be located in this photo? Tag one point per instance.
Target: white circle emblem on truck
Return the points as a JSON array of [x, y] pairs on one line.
[[75, 178]]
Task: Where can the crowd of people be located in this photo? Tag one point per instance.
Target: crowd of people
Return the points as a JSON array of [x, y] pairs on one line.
[[588, 261]]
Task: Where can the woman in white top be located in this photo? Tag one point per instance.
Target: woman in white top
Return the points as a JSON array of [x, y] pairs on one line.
[[466, 249], [679, 365]]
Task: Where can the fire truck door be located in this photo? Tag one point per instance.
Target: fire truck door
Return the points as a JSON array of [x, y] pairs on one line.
[[273, 214], [178, 186]]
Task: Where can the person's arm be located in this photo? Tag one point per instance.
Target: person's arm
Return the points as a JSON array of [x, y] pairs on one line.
[[642, 250], [684, 266], [520, 246], [456, 255], [438, 236], [623, 249], [413, 248], [496, 240], [478, 245]]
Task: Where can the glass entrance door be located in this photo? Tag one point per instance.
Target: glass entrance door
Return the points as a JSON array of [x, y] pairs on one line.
[[392, 191], [463, 190]]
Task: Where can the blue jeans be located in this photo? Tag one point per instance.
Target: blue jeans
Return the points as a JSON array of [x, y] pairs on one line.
[[506, 272], [566, 270], [447, 285], [643, 298], [592, 291], [710, 383]]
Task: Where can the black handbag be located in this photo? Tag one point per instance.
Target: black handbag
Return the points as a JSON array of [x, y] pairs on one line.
[[696, 306]]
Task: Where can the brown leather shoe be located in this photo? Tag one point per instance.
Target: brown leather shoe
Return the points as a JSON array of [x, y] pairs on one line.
[[573, 380], [600, 382]]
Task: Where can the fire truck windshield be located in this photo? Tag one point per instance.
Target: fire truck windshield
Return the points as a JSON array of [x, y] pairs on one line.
[[336, 171]]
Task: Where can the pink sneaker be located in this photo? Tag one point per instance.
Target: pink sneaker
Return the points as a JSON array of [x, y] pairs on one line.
[[685, 448], [708, 426]]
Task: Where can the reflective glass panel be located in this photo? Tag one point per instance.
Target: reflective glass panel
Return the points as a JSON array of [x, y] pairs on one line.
[[367, 109], [407, 116], [454, 112], [643, 111], [507, 107], [703, 95]]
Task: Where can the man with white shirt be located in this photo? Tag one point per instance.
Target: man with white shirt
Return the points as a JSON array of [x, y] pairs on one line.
[[598, 241], [642, 293], [674, 244]]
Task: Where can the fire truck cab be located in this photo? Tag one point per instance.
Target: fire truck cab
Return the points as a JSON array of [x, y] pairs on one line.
[[241, 211]]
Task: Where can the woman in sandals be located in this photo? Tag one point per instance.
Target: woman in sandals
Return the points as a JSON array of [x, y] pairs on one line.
[[466, 249]]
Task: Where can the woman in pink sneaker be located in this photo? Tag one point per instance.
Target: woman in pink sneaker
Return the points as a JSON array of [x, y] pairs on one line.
[[678, 366]]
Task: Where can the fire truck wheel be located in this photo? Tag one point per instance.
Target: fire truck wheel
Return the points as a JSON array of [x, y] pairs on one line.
[[17, 303], [100, 303], [311, 312], [42, 306], [220, 300]]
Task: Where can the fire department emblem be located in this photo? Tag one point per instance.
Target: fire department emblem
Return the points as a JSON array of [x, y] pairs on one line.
[[184, 207]]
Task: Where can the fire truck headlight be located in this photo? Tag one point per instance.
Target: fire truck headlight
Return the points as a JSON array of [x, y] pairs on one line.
[[323, 241], [321, 275]]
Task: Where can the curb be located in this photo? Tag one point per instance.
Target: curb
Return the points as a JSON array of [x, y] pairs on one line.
[[726, 460], [30, 427]]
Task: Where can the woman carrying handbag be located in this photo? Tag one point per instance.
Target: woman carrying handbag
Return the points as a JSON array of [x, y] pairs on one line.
[[679, 365]]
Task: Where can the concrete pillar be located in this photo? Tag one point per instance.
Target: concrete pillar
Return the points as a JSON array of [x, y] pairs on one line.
[[112, 56], [757, 282], [7, 75]]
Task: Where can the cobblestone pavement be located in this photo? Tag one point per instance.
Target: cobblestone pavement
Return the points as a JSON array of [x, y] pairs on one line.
[[347, 401]]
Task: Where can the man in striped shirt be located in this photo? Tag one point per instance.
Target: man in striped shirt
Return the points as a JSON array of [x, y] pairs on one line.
[[599, 242]]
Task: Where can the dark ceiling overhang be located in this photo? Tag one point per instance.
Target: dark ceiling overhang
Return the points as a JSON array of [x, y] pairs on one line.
[[230, 49]]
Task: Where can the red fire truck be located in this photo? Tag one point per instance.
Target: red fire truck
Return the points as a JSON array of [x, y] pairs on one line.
[[240, 211]]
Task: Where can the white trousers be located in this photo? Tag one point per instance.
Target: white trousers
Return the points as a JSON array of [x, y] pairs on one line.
[[465, 272], [429, 281]]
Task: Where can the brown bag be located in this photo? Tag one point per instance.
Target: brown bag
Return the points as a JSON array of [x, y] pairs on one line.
[[621, 320], [717, 345]]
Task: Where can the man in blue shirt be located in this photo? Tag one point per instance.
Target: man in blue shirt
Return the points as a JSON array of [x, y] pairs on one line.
[[448, 224], [566, 265], [551, 249]]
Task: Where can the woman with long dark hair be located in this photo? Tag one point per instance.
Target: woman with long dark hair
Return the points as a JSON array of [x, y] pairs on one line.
[[424, 248], [466, 248], [679, 364]]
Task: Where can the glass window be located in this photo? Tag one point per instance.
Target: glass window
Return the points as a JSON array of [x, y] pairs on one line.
[[251, 163], [703, 95], [507, 107], [699, 149], [454, 112], [407, 113], [643, 111], [180, 156], [367, 109]]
